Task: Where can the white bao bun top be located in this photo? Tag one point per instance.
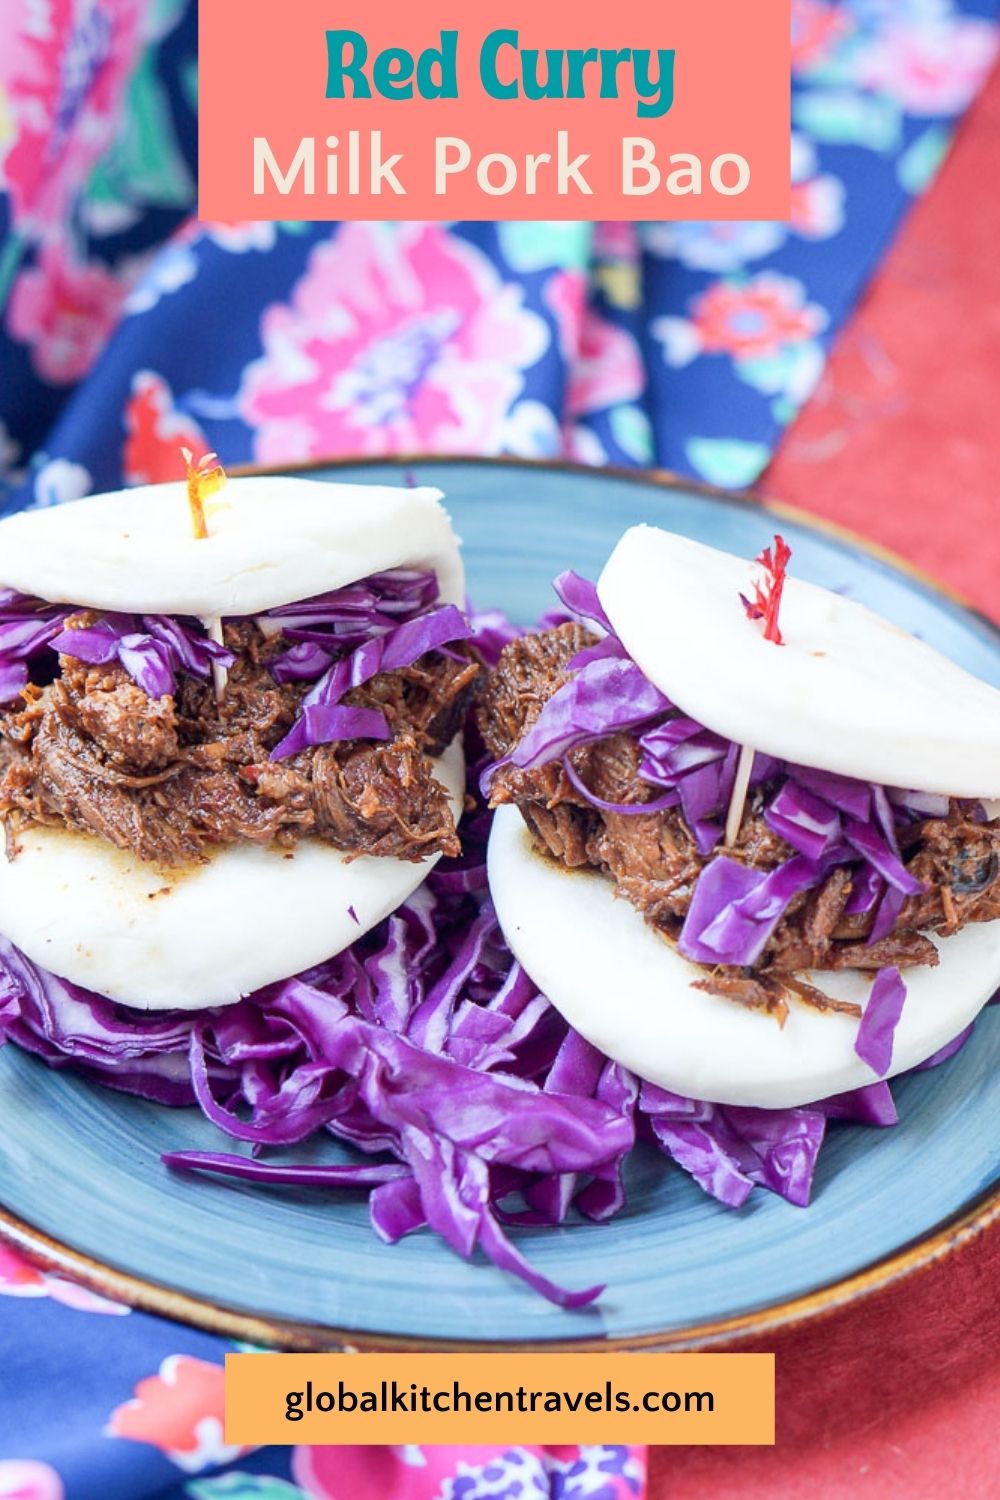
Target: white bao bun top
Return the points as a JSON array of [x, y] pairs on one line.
[[201, 935], [847, 692], [271, 541]]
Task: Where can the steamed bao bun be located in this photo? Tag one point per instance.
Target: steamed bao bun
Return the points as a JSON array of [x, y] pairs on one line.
[[848, 692], [206, 935]]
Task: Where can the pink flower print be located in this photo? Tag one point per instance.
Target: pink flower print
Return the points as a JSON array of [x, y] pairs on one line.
[[156, 432], [180, 1411], [65, 81], [607, 370], [818, 27], [566, 294], [817, 198], [615, 239], [402, 1473], [817, 207], [396, 339], [64, 311], [471, 1473], [25, 1479], [932, 67], [19, 1278], [755, 318]]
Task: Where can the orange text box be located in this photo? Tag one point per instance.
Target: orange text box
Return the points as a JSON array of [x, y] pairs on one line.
[[637, 110], [500, 1398]]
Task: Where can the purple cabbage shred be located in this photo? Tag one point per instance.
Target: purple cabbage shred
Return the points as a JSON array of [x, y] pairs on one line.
[[470, 1106], [153, 649], [878, 1023], [338, 641], [386, 638]]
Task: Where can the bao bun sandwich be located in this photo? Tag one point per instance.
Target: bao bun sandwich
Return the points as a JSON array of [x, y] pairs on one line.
[[227, 748], [743, 839]]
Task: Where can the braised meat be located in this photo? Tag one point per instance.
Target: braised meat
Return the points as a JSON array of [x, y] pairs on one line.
[[170, 778], [654, 861]]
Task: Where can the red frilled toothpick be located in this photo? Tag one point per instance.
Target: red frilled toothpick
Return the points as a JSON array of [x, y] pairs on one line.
[[765, 606], [767, 592]]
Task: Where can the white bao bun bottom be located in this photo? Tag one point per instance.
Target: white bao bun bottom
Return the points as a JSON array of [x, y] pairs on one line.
[[630, 994], [158, 938]]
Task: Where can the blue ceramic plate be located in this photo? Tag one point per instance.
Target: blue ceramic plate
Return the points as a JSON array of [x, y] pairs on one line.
[[80, 1174]]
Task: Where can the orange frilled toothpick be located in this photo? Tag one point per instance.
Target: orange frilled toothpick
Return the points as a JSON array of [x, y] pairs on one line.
[[765, 605], [204, 479]]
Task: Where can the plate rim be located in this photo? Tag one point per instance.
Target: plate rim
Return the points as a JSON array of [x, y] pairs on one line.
[[232, 1323]]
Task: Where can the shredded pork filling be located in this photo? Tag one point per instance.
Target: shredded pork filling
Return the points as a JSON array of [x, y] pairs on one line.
[[654, 862], [170, 778]]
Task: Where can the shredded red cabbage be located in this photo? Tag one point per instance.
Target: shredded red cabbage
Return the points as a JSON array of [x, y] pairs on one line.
[[869, 842], [376, 602], [807, 822], [878, 1023], [606, 695], [491, 631], [867, 886], [384, 650], [890, 904], [851, 797], [950, 1048], [579, 596], [27, 627], [628, 809], [344, 638], [424, 1046], [338, 641], [13, 680], [153, 649], [729, 1149], [922, 804], [320, 723], [735, 908], [873, 1104]]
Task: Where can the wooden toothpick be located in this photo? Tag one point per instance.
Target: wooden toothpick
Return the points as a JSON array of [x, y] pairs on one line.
[[764, 606], [737, 802]]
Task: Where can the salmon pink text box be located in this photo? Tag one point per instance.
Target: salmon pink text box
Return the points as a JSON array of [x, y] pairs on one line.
[[264, 75]]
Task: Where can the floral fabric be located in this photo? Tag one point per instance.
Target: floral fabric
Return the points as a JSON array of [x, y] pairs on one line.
[[128, 329], [139, 1413]]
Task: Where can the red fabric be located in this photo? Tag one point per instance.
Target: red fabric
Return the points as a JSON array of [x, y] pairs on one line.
[[898, 1398], [902, 440]]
